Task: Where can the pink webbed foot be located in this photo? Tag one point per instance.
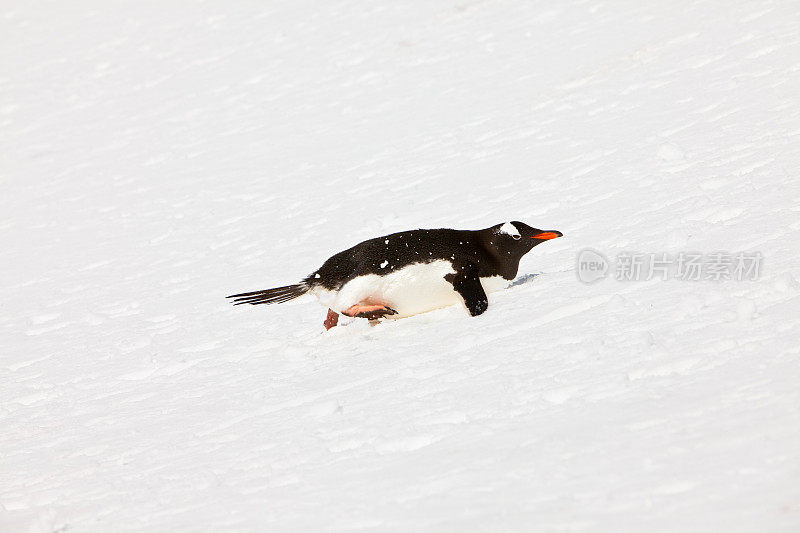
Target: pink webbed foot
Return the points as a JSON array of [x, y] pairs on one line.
[[372, 312], [331, 320]]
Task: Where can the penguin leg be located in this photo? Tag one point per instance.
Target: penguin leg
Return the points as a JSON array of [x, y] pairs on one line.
[[331, 320], [467, 283], [372, 312]]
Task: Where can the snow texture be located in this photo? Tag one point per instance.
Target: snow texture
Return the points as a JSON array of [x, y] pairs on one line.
[[159, 156]]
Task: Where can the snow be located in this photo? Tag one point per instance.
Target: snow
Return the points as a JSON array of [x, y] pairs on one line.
[[158, 157], [509, 229]]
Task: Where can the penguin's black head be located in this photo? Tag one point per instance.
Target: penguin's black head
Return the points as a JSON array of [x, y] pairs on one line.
[[516, 238]]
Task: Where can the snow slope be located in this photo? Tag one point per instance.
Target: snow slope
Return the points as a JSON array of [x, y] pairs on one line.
[[157, 156]]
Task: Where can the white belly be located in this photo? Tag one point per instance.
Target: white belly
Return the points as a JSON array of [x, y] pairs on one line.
[[494, 284], [410, 290]]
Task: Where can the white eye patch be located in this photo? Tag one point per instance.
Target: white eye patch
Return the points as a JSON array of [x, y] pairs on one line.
[[510, 229]]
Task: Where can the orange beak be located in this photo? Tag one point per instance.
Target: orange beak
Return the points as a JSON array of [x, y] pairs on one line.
[[547, 235]]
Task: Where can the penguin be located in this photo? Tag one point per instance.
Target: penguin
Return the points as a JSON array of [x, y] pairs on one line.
[[411, 272]]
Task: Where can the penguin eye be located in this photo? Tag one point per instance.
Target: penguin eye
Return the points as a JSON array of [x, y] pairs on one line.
[[516, 237]]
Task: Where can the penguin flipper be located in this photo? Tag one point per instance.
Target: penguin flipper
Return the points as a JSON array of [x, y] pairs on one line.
[[467, 283]]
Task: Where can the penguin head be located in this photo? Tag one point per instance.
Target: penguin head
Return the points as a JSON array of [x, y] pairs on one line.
[[517, 238]]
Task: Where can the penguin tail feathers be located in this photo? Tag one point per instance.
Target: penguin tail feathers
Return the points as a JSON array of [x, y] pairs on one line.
[[271, 296]]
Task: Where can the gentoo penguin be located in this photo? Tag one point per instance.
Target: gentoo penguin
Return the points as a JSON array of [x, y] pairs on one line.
[[411, 272]]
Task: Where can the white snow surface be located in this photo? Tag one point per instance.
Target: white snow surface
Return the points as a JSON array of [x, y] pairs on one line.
[[158, 156]]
